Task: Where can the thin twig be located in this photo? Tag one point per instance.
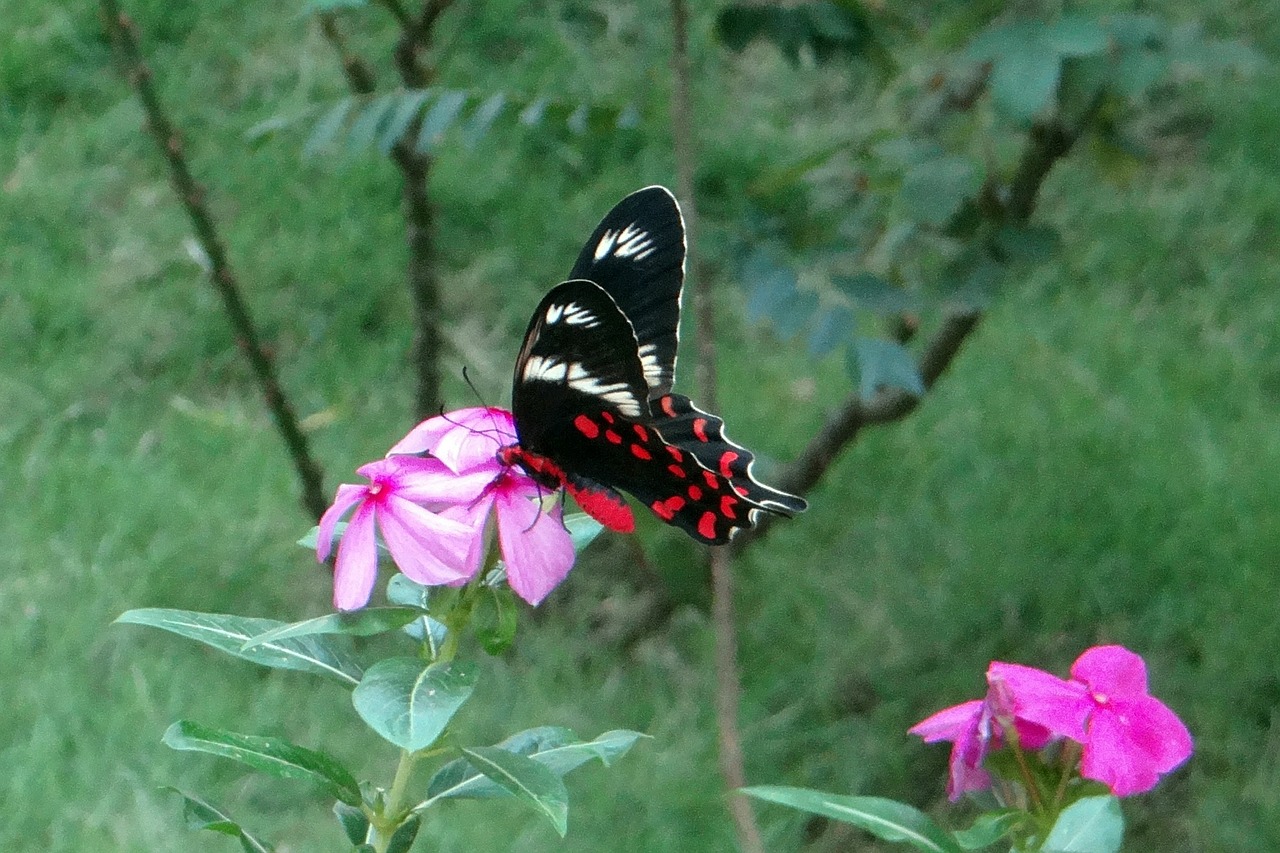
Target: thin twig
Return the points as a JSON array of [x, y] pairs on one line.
[[728, 683], [123, 34]]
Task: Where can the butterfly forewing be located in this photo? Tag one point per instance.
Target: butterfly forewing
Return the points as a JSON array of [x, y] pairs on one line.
[[637, 255]]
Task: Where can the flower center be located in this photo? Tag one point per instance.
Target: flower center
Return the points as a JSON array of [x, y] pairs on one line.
[[1101, 698]]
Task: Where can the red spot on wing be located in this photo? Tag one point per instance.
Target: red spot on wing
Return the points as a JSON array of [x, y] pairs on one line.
[[666, 510], [604, 506], [726, 506], [666, 404], [740, 490], [677, 471], [586, 426], [712, 482], [640, 453], [613, 437], [608, 417], [641, 432], [726, 459], [695, 493], [700, 428], [676, 453], [707, 525]]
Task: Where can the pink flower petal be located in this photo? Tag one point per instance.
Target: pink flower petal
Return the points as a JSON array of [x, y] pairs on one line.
[[1111, 756], [357, 565], [535, 545], [949, 723], [1156, 731], [427, 548], [462, 439], [474, 517], [346, 497], [1113, 671], [442, 486], [1046, 700]]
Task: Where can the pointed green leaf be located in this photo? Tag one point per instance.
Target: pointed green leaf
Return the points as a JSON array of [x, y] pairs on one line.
[[885, 819], [1089, 825], [873, 293], [439, 118], [409, 702], [201, 814], [933, 191], [528, 780], [988, 828], [558, 749], [583, 529], [404, 836], [1074, 35], [886, 364], [371, 120], [229, 634], [276, 756], [833, 329], [1024, 82], [482, 118], [495, 619], [354, 823], [404, 591], [327, 128], [359, 623], [533, 113], [408, 105]]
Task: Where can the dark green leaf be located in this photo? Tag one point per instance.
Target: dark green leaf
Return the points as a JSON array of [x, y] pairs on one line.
[[334, 5], [271, 755], [933, 191], [886, 364], [403, 591], [201, 814], [360, 623], [408, 702], [771, 284], [371, 120], [482, 118], [229, 634], [528, 780], [885, 819], [1003, 39], [1023, 82], [833, 329], [1073, 35], [327, 128], [559, 749], [1090, 825], [353, 821], [495, 619], [583, 529], [1030, 244], [873, 293], [402, 839], [988, 828], [439, 118]]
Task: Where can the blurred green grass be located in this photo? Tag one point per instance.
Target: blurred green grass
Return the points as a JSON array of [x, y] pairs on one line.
[[1099, 466]]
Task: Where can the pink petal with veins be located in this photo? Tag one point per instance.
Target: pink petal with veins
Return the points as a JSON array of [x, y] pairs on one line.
[[356, 568], [535, 545], [1113, 671], [346, 497]]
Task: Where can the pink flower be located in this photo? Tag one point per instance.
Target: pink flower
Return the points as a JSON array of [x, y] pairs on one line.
[[433, 512], [975, 728], [427, 547]]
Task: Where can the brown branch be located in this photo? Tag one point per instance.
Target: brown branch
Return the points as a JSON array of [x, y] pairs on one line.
[[123, 34], [728, 683]]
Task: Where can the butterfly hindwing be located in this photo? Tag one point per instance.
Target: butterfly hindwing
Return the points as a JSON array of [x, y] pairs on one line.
[[637, 255]]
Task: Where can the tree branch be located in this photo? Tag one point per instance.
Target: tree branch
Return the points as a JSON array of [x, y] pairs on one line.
[[122, 33]]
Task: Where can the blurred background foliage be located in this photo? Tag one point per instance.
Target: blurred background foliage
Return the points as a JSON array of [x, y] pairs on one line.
[[1098, 466]]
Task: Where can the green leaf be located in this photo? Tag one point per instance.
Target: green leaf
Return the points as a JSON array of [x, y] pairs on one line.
[[404, 591], [334, 5], [988, 828], [402, 839], [408, 702], [559, 749], [1073, 35], [371, 120], [886, 364], [229, 634], [271, 755], [1089, 825], [439, 118], [360, 623], [327, 128], [1032, 244], [583, 529], [495, 619], [885, 819], [873, 293], [408, 105], [834, 328], [770, 283], [201, 814], [933, 191], [353, 821], [528, 780], [482, 118], [1023, 82]]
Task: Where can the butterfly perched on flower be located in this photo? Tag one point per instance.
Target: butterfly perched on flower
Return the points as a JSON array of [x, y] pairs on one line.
[[592, 401]]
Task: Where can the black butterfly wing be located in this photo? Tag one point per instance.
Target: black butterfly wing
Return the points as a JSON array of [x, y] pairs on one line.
[[637, 255], [701, 435]]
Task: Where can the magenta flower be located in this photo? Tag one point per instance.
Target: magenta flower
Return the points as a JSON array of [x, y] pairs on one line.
[[433, 512], [427, 547], [975, 728]]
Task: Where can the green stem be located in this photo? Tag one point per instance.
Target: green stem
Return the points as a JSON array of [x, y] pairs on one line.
[[1068, 758], [395, 810], [1028, 780]]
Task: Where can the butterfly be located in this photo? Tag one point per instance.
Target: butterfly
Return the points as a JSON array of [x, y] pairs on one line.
[[592, 401]]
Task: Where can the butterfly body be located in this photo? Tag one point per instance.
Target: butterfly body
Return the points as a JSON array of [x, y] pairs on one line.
[[592, 398]]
